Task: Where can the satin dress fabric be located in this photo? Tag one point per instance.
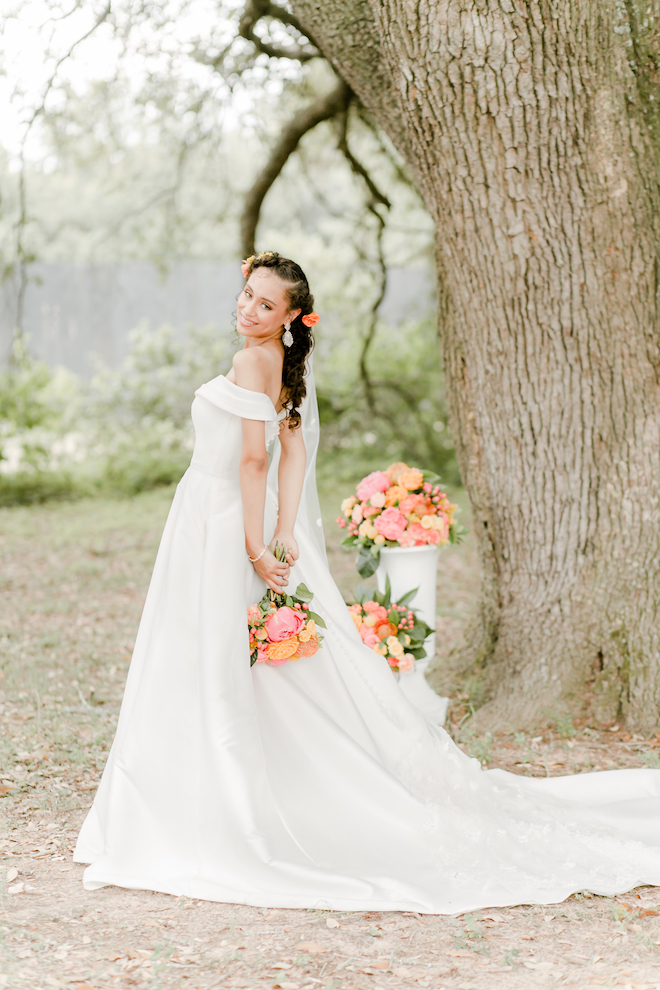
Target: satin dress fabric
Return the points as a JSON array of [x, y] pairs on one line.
[[316, 784]]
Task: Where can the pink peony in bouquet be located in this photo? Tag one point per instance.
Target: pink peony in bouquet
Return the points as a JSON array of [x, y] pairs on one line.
[[282, 627], [401, 506]]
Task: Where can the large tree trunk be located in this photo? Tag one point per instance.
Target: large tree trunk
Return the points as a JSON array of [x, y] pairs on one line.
[[526, 128]]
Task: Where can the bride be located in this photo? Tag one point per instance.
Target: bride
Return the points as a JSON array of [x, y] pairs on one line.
[[314, 784]]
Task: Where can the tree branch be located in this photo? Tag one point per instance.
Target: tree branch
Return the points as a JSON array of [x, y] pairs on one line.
[[327, 106], [254, 11]]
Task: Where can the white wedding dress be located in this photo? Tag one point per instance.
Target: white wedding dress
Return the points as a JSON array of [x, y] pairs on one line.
[[316, 784]]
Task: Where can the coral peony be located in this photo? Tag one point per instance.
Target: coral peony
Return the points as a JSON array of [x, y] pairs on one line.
[[369, 636], [377, 481], [391, 524], [394, 471], [283, 624], [357, 514], [411, 479], [432, 536], [417, 533], [254, 613]]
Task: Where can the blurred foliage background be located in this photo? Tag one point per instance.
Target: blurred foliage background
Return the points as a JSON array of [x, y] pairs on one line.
[[149, 157]]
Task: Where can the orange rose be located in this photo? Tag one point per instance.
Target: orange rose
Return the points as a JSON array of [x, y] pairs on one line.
[[395, 470], [284, 649], [411, 479], [394, 495], [307, 632]]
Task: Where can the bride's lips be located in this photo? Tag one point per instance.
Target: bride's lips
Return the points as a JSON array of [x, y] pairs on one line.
[[244, 320]]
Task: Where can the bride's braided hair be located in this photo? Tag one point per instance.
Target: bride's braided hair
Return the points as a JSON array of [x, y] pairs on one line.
[[295, 356]]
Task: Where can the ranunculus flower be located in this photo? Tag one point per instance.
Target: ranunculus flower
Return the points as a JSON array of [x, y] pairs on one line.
[[284, 650], [377, 481], [390, 523], [432, 536], [379, 540], [367, 529], [406, 663], [379, 611], [356, 514], [254, 613], [386, 629], [395, 470], [311, 319], [395, 494], [378, 500], [285, 623], [411, 479]]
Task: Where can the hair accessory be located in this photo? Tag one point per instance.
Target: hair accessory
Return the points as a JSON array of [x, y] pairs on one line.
[[311, 319], [287, 336], [245, 265], [253, 560]]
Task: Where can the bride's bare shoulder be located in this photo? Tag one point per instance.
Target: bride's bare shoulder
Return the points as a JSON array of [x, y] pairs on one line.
[[252, 368]]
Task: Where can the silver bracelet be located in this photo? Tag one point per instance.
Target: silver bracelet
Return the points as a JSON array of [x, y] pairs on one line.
[[253, 560]]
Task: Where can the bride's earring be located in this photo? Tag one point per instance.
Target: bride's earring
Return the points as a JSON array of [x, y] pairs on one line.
[[287, 336]]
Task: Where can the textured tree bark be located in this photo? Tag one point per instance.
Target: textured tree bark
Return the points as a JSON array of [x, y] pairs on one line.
[[529, 130]]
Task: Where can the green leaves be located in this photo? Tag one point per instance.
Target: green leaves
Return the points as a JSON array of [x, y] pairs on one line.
[[367, 561], [317, 619]]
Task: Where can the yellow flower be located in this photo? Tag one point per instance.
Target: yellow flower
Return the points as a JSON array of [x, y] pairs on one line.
[[427, 522], [379, 539], [380, 648], [261, 634], [412, 517], [371, 620], [395, 647], [307, 632], [347, 505], [357, 619], [368, 529]]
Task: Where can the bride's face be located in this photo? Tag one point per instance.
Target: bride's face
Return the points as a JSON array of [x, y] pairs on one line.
[[263, 307]]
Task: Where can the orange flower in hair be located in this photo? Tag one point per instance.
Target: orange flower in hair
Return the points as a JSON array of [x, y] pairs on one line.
[[311, 319]]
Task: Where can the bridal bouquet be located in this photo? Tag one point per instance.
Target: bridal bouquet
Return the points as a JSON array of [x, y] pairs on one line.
[[282, 627], [392, 629], [398, 507]]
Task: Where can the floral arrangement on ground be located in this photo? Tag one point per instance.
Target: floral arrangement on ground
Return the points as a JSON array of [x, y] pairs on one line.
[[391, 629], [283, 627], [398, 507]]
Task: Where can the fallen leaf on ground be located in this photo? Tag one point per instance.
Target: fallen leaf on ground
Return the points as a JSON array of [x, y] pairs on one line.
[[381, 964], [12, 873], [332, 923], [16, 888], [312, 947], [5, 790], [457, 952]]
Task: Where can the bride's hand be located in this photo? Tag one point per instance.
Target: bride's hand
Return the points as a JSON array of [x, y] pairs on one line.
[[287, 540], [273, 571]]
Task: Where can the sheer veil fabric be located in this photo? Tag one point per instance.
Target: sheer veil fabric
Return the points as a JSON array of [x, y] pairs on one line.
[[316, 784]]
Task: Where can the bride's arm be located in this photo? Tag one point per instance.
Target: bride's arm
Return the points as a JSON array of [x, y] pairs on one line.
[[293, 459], [253, 472]]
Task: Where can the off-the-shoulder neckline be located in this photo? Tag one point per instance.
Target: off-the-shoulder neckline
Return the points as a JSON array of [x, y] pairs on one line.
[[250, 392]]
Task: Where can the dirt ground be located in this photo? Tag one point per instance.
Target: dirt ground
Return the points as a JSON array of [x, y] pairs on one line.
[[72, 583]]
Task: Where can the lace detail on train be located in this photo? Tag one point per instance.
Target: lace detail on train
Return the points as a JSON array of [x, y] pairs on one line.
[[317, 783]]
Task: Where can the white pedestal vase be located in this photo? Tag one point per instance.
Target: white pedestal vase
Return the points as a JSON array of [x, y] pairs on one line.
[[408, 568]]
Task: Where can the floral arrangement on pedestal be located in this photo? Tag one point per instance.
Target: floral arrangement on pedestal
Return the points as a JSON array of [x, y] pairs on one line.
[[391, 629], [282, 627], [398, 507]]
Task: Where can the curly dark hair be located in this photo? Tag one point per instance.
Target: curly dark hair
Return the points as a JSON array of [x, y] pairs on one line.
[[295, 356]]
